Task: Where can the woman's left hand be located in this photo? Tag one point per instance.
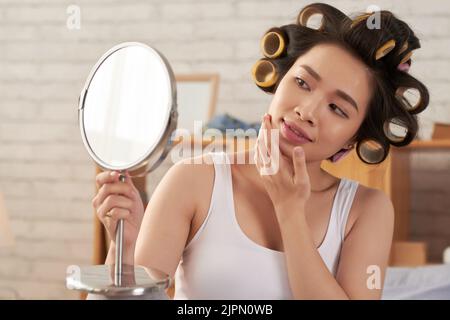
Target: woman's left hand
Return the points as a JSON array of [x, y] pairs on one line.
[[286, 181]]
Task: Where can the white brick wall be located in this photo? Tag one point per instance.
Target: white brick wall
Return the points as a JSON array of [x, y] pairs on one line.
[[45, 173]]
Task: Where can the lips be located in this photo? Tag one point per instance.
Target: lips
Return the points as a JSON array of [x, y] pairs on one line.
[[294, 133]]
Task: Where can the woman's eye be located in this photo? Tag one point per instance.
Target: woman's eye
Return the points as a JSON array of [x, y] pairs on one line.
[[302, 83], [336, 109]]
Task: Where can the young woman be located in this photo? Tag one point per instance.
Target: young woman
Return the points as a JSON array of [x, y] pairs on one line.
[[227, 231]]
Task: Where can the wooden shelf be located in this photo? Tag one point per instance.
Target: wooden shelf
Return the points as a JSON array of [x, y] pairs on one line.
[[429, 144]]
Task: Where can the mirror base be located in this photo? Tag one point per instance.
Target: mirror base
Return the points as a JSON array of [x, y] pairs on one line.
[[135, 281]]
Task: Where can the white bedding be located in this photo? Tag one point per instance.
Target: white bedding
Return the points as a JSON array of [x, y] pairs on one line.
[[425, 282]]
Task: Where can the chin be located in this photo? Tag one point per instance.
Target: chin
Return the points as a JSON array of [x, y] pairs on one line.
[[286, 150]]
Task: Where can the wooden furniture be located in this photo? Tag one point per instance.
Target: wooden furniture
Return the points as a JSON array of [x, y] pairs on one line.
[[391, 176], [441, 131], [408, 254]]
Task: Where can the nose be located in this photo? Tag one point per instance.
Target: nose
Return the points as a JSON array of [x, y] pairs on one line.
[[308, 112]]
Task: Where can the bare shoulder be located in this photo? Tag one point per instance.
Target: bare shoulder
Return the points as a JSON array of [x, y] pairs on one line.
[[192, 166], [195, 176], [195, 172], [375, 201], [371, 205]]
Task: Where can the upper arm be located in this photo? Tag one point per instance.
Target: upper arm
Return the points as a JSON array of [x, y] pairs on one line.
[[366, 249], [167, 220]]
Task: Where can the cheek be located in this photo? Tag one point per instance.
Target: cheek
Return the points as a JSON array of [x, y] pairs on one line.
[[336, 133], [281, 101]]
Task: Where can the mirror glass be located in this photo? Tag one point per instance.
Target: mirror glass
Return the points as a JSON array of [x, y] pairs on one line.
[[127, 107]]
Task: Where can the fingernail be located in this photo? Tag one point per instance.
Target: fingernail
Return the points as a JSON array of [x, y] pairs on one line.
[[112, 173], [298, 151]]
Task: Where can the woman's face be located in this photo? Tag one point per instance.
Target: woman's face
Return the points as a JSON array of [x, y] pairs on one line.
[[325, 94]]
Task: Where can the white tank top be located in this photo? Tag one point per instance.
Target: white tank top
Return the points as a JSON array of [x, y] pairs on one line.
[[221, 262]]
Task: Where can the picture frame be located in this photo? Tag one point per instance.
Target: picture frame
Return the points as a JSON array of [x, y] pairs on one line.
[[196, 98]]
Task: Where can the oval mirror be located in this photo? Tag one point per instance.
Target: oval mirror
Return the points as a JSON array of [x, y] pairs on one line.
[[127, 109]]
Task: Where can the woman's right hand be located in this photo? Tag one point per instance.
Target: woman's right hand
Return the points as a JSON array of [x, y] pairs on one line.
[[119, 200]]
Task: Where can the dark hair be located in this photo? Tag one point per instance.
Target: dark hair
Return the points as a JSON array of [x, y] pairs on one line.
[[382, 49]]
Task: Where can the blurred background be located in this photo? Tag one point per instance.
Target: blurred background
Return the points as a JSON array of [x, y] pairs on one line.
[[47, 177]]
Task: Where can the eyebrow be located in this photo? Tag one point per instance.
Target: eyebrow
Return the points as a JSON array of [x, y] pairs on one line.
[[338, 92]]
